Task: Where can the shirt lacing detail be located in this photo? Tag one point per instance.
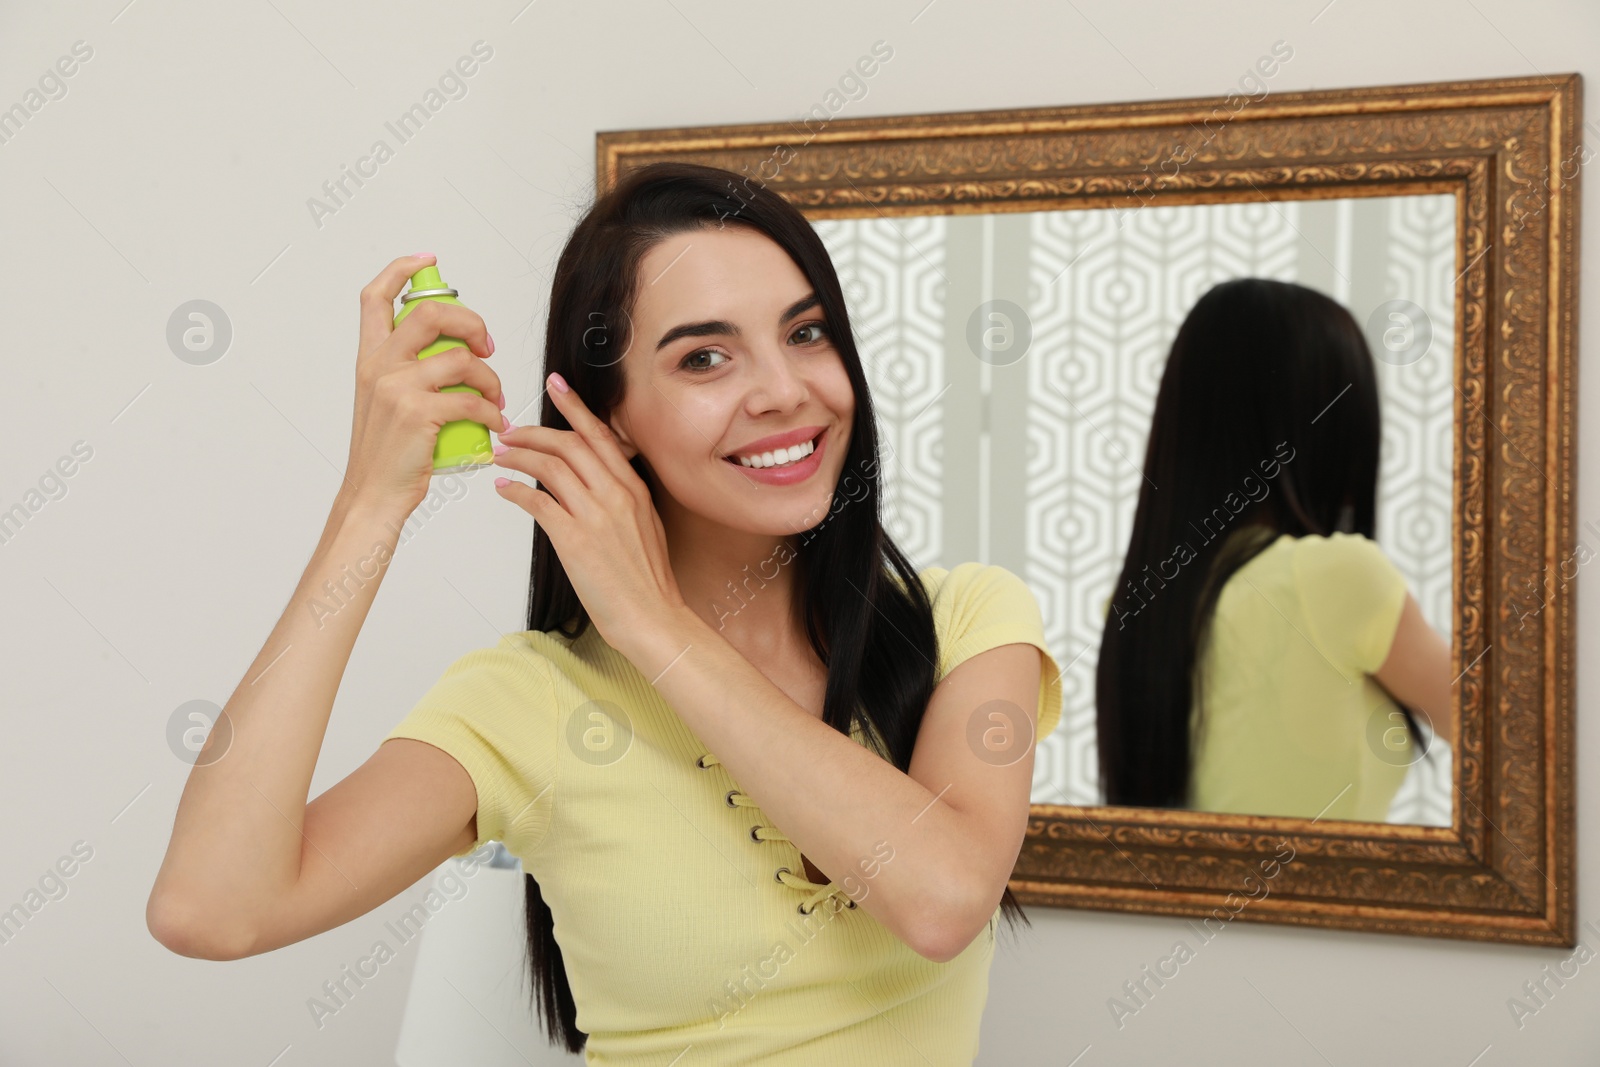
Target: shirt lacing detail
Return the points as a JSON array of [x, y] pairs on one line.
[[758, 833]]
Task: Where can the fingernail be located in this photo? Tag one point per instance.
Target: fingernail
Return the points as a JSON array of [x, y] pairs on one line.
[[490, 336], [422, 255], [500, 449], [502, 401], [501, 483], [507, 428], [558, 382]]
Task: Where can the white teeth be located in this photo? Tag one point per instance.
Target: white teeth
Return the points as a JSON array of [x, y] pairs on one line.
[[781, 458]]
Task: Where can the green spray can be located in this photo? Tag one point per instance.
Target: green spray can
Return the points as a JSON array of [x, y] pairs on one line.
[[464, 444]]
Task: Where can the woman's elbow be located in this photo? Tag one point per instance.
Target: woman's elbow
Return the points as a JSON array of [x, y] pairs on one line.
[[177, 926], [948, 930]]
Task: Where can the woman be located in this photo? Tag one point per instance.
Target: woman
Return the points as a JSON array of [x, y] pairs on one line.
[[767, 782], [1261, 654]]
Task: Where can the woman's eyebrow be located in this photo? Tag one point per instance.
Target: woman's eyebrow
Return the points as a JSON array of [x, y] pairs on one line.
[[805, 303], [721, 326]]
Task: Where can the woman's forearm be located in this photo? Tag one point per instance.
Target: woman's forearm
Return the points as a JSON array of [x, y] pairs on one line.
[[236, 839], [838, 802]]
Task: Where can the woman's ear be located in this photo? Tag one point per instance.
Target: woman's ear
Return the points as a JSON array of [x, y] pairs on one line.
[[619, 430]]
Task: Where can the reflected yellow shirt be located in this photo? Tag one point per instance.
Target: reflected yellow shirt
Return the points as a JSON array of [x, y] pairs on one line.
[[1289, 720], [675, 931]]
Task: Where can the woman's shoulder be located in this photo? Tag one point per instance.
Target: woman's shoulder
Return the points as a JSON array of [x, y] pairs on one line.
[[1353, 595], [551, 640], [966, 576], [972, 592], [538, 643], [517, 655], [553, 650], [967, 579], [1339, 557], [1338, 541]]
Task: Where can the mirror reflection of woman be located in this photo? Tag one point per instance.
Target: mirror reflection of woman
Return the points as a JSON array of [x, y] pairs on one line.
[[1261, 653]]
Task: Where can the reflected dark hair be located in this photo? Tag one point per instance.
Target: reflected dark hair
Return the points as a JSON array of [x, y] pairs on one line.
[[861, 602], [1263, 376]]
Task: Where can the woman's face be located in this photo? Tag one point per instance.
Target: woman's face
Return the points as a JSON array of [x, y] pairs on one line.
[[727, 348]]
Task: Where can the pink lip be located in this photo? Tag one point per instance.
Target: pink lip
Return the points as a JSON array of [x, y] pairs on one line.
[[777, 441], [789, 475]]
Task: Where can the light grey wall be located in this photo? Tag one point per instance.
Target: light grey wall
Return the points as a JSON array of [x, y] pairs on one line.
[[178, 166]]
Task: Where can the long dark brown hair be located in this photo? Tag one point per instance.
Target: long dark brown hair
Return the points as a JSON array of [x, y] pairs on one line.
[[1260, 372], [875, 635]]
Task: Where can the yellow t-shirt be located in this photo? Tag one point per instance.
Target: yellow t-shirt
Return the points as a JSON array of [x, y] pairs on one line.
[[1289, 720], [675, 932]]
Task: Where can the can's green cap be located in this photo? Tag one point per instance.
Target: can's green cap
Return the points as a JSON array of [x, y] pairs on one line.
[[428, 278]]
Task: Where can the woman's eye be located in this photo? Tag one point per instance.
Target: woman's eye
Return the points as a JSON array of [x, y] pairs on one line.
[[697, 355], [819, 331]]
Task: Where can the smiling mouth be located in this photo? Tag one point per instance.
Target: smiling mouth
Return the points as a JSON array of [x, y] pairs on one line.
[[779, 466]]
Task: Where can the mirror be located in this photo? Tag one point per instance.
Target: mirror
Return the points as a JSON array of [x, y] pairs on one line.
[[1017, 280], [1014, 360]]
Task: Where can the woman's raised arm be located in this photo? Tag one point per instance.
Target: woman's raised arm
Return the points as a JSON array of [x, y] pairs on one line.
[[250, 864]]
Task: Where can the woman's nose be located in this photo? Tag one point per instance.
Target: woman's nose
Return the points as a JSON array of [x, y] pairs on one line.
[[779, 379]]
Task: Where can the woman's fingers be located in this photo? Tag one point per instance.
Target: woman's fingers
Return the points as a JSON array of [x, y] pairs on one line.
[[552, 471], [433, 319], [430, 377], [592, 429], [545, 509], [451, 407], [459, 366], [377, 301], [569, 448]]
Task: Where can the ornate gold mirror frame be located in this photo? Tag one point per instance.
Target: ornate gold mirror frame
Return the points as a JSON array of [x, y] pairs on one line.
[[1510, 151]]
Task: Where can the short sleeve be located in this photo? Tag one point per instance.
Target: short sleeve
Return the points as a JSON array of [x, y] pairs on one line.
[[982, 606], [493, 711], [1352, 596]]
